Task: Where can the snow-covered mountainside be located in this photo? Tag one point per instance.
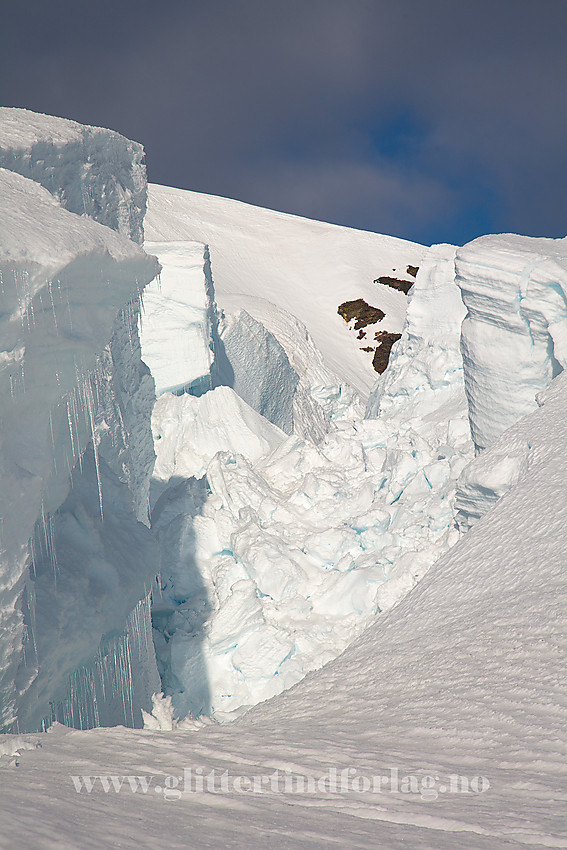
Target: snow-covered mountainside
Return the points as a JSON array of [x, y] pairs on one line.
[[76, 446], [305, 268], [283, 527]]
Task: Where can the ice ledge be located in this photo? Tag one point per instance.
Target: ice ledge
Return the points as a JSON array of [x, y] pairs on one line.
[[91, 170]]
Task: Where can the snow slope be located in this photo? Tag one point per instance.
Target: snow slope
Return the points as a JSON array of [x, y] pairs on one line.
[[307, 268], [464, 678]]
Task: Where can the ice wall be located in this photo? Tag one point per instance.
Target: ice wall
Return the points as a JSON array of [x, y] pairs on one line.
[[78, 395], [514, 337], [425, 373], [319, 398], [258, 369], [178, 319]]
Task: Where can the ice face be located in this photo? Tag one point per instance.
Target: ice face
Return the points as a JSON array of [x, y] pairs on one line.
[[514, 336], [92, 171], [76, 401], [258, 369], [176, 324]]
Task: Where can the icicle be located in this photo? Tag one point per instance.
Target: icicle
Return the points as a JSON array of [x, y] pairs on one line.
[[70, 422], [90, 409], [50, 290], [54, 452]]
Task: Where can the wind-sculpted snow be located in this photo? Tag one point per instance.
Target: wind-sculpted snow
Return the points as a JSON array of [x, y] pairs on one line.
[[277, 550], [92, 171], [514, 338], [69, 287]]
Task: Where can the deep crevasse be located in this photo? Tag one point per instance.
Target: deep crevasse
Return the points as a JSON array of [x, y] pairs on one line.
[[276, 550]]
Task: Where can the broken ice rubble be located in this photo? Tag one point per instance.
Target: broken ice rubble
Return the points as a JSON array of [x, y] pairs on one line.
[[277, 550]]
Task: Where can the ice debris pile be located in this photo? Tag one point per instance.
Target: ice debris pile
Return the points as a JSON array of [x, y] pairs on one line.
[[279, 545], [76, 452]]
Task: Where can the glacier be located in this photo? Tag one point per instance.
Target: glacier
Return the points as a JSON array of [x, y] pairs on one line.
[[278, 509], [297, 547], [77, 451], [459, 686], [514, 335]]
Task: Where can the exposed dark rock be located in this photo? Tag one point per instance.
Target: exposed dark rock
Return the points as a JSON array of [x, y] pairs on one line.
[[394, 283], [361, 311], [361, 334], [382, 353], [413, 270]]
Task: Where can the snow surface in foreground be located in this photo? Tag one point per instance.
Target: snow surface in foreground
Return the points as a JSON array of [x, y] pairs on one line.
[[464, 677]]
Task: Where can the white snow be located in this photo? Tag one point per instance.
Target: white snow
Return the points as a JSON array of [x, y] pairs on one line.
[[514, 338], [92, 171], [284, 549], [307, 268], [465, 678], [278, 548], [189, 431]]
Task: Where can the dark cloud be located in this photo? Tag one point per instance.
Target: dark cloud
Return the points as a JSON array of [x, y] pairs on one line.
[[434, 120]]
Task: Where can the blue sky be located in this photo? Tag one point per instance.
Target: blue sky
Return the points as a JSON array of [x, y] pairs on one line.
[[434, 120]]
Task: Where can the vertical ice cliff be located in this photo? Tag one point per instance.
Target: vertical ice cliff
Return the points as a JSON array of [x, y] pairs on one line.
[[76, 404], [514, 336], [178, 323], [426, 370], [514, 342]]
